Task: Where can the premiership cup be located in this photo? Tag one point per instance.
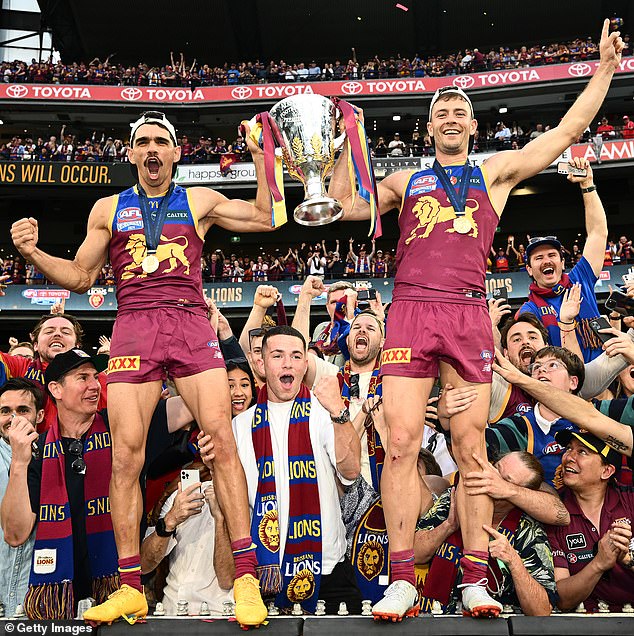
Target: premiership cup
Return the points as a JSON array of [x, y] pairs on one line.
[[307, 126]]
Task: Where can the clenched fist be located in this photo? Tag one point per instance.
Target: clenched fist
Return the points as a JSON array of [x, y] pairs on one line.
[[24, 236]]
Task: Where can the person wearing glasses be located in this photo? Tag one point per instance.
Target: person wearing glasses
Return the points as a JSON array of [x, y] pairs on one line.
[[535, 430], [438, 321], [153, 234], [551, 287], [62, 490]]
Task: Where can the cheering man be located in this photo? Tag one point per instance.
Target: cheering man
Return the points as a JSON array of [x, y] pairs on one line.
[[438, 322], [153, 235]]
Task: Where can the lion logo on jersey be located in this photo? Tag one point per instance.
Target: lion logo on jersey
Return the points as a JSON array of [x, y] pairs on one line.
[[428, 211], [269, 531], [370, 559], [301, 587], [170, 250]]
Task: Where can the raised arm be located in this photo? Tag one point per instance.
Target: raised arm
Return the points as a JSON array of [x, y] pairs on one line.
[[265, 297], [235, 214], [511, 167], [571, 407], [596, 221], [79, 274], [312, 288]]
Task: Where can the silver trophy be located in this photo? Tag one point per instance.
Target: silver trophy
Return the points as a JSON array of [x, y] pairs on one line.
[[307, 127]]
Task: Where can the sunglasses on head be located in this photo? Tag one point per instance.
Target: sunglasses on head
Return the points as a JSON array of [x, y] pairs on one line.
[[536, 239], [256, 333]]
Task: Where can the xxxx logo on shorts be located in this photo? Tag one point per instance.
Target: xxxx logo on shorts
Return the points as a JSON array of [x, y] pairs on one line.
[[391, 356], [124, 363]]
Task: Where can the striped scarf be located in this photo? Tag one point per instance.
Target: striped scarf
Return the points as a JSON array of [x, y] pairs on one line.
[[443, 570], [376, 452], [50, 594], [298, 578]]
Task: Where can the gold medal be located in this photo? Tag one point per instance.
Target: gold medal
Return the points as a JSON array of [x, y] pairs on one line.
[[460, 224], [150, 264]]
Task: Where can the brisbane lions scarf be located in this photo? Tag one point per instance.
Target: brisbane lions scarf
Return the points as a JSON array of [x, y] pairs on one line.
[[548, 314], [445, 564], [376, 452], [50, 594], [298, 579]]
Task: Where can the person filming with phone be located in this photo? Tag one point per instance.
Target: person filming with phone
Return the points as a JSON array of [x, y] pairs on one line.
[[551, 287]]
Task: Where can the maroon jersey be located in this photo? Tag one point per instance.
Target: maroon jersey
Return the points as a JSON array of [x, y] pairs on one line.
[[178, 280], [434, 262], [516, 402]]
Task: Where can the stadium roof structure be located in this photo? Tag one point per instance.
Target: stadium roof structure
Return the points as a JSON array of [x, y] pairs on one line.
[[218, 31]]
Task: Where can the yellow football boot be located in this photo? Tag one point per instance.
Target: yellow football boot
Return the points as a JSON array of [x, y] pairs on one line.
[[126, 603], [250, 610]]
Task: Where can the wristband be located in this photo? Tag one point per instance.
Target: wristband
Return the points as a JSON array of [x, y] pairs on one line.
[[591, 188], [161, 530], [564, 322]]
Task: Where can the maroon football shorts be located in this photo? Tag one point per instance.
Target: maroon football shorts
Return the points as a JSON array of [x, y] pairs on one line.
[[421, 333], [151, 344]]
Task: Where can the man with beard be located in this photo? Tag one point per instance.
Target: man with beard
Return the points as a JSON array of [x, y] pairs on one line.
[[21, 402], [294, 445], [153, 234], [545, 265], [521, 338], [438, 321], [53, 334], [360, 378]]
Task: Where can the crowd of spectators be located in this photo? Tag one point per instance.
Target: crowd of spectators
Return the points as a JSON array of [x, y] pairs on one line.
[[331, 262], [180, 73], [97, 147]]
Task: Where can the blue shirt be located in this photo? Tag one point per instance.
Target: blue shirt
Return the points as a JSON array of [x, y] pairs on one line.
[[580, 273], [15, 563]]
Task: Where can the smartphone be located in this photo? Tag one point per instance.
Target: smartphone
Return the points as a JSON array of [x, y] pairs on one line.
[[620, 302], [601, 323], [190, 477], [500, 292], [366, 294], [563, 167]]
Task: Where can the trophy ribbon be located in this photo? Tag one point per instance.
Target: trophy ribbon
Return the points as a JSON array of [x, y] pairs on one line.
[[360, 163], [458, 200], [152, 227], [262, 134]]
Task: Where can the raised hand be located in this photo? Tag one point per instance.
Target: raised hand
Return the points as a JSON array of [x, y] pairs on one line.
[[611, 45], [24, 234]]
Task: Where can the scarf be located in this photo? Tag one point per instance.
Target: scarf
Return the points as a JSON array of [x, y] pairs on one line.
[[50, 594], [370, 553], [328, 343], [376, 452], [298, 579], [445, 564], [548, 314]]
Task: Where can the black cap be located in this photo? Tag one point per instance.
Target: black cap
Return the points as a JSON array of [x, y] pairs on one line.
[[62, 363], [592, 442], [538, 241]]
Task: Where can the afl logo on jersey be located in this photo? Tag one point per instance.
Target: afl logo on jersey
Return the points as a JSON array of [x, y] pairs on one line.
[[129, 220], [426, 183]]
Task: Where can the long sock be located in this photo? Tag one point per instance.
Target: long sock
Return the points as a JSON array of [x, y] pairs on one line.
[[244, 557], [474, 567], [402, 566], [130, 572]]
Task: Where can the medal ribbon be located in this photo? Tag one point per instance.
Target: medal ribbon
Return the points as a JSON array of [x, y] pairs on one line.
[[153, 223], [457, 200]]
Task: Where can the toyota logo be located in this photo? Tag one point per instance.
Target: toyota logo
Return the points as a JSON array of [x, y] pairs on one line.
[[241, 92], [17, 91], [580, 69], [131, 93], [352, 88], [463, 81]]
